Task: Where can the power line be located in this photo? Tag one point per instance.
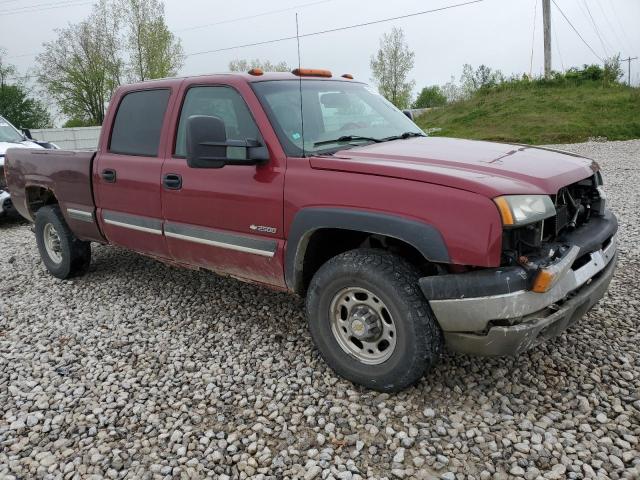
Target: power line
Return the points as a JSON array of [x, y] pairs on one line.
[[577, 32], [23, 55], [248, 17], [230, 20], [331, 30], [615, 33], [555, 37], [373, 22], [533, 37], [25, 7], [595, 27], [50, 6], [624, 33]]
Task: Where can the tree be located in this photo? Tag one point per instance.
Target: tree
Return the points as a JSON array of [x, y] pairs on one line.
[[154, 52], [88, 60], [82, 67], [6, 69], [243, 65], [76, 122], [22, 111], [452, 91], [391, 67], [612, 69], [15, 103], [483, 77], [430, 97]]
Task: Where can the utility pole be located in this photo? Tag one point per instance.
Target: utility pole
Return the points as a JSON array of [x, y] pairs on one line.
[[629, 60], [546, 23]]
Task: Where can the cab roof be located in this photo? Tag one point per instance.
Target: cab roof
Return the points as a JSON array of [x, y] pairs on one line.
[[249, 78]]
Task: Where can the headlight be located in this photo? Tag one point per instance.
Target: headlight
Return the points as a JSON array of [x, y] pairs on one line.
[[517, 210]]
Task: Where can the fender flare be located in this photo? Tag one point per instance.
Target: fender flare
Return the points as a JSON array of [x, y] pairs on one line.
[[423, 237]]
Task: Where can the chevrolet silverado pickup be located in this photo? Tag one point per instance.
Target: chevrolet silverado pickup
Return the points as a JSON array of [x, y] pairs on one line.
[[402, 244]]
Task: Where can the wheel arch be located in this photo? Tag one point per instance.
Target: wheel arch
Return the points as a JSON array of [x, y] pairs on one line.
[[425, 239], [38, 196]]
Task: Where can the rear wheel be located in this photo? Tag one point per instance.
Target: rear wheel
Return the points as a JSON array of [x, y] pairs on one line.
[[370, 321], [62, 253]]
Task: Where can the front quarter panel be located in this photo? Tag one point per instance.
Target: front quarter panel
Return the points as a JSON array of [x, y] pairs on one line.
[[468, 223]]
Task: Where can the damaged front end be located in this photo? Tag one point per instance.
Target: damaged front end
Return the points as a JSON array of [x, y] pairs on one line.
[[5, 197], [553, 270]]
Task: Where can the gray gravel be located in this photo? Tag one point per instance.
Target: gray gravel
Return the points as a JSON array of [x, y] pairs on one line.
[[140, 370]]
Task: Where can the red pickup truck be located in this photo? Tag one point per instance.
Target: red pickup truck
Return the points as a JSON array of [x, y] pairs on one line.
[[317, 185]]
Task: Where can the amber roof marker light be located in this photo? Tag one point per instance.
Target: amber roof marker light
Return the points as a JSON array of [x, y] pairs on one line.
[[256, 71], [312, 72], [348, 76]]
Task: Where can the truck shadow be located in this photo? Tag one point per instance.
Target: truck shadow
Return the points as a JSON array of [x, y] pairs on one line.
[[8, 221]]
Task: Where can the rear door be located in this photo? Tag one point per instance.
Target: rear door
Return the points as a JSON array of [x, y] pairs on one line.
[[128, 169], [226, 219]]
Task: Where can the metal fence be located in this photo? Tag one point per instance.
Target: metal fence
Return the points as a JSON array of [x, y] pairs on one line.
[[80, 138]]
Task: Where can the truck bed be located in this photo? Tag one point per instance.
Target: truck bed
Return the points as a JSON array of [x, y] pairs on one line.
[[36, 177]]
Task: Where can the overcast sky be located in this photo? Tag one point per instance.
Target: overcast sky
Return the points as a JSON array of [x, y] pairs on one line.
[[497, 33]]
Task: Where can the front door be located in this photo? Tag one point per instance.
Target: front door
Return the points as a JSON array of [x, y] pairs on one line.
[[225, 219], [127, 173]]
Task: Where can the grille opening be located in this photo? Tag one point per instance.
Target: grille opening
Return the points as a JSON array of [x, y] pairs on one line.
[[575, 205], [581, 261]]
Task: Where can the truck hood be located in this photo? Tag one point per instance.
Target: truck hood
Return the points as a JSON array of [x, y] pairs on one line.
[[486, 168], [4, 146]]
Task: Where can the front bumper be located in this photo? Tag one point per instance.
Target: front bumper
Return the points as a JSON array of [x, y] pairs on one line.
[[508, 322], [5, 201]]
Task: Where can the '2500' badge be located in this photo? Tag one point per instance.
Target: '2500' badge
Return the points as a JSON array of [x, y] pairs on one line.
[[263, 229]]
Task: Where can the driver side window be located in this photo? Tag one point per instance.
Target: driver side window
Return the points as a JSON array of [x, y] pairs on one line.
[[216, 101]]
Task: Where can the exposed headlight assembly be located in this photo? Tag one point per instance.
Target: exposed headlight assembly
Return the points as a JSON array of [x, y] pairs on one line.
[[518, 210]]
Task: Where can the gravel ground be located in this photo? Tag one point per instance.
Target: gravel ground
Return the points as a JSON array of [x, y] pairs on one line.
[[140, 370]]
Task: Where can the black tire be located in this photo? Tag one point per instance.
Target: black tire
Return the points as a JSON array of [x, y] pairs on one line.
[[75, 254], [418, 339]]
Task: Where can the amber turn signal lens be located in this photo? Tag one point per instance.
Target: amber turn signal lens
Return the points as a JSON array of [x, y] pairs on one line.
[[543, 281], [505, 210], [312, 72], [255, 71]]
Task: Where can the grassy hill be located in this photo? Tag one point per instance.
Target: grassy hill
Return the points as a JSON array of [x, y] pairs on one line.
[[539, 113]]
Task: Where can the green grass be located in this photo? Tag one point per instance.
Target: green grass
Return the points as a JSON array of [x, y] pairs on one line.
[[539, 113]]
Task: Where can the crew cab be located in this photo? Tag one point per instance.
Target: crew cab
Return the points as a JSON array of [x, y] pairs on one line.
[[315, 184]]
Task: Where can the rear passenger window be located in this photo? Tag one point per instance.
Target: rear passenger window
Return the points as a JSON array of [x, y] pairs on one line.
[[136, 129]]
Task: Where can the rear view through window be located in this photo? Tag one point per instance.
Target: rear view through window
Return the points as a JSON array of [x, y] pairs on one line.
[[136, 129], [336, 114]]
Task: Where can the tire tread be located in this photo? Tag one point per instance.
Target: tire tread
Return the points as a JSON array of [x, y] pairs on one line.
[[427, 334]]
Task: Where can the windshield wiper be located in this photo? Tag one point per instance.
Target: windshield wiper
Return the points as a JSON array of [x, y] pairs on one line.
[[404, 136], [346, 138]]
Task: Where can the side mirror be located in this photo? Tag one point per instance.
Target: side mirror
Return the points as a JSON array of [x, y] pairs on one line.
[[408, 113], [208, 147], [27, 133]]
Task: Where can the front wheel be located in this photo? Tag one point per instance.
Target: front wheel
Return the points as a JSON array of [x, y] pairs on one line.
[[62, 253], [370, 321]]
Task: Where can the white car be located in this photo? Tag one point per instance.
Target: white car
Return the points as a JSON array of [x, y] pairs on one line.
[[10, 137]]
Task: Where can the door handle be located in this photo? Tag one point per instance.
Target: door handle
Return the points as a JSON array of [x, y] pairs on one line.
[[108, 175], [172, 181]]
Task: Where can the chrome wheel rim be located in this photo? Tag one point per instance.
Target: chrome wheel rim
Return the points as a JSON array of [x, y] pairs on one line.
[[52, 243], [362, 325]]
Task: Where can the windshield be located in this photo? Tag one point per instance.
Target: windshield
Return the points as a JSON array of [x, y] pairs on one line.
[[337, 115], [8, 132]]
